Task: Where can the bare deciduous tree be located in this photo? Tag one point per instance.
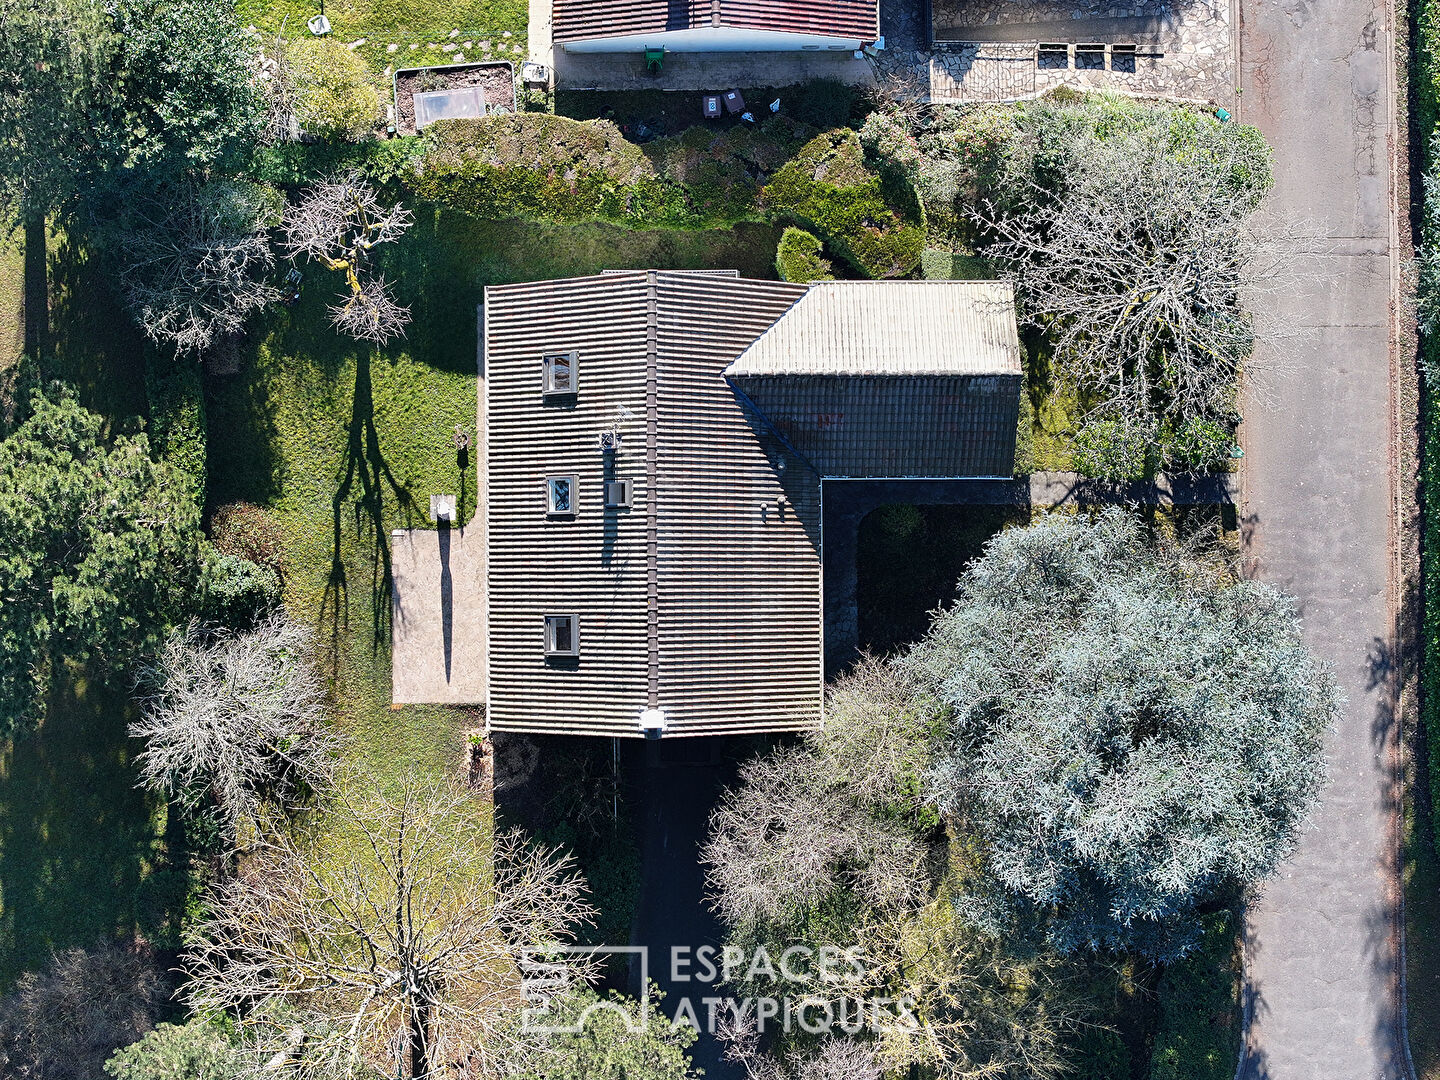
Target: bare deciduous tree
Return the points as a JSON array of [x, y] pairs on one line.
[[1141, 269], [276, 83], [394, 938], [235, 719], [197, 262], [338, 224], [788, 835], [837, 1058], [372, 314]]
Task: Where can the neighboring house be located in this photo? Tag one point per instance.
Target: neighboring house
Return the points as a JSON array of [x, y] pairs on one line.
[[714, 25], [657, 446]]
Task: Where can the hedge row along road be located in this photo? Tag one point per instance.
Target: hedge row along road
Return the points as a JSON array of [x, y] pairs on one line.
[[1319, 488]]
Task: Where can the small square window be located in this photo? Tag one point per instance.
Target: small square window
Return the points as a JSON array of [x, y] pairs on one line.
[[562, 635], [560, 374], [618, 493], [562, 495]]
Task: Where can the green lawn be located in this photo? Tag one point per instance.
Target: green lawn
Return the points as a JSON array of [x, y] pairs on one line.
[[12, 307], [427, 26]]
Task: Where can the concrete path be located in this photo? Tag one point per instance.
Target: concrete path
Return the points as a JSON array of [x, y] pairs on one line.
[[1317, 512], [437, 616]]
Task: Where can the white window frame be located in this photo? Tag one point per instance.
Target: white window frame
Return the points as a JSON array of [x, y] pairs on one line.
[[547, 374], [550, 508], [551, 622], [627, 497]]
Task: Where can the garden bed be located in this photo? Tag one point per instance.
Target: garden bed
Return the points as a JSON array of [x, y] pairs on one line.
[[495, 80]]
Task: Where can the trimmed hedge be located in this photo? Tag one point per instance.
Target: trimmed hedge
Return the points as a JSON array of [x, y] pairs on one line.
[[1427, 87], [551, 168], [799, 257]]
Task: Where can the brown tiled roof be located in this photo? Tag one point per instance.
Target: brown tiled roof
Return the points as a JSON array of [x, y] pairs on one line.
[[580, 20], [858, 19], [702, 598]]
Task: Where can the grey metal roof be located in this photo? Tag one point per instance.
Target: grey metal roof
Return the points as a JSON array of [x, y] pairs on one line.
[[891, 328], [893, 426]]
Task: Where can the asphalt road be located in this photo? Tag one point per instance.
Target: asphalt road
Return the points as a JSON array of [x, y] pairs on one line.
[[1320, 959]]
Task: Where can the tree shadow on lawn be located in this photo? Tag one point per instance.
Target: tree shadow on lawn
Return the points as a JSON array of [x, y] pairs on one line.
[[366, 461], [80, 845], [92, 342]]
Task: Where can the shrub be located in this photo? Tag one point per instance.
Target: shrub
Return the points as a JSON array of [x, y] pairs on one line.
[[176, 402], [294, 164], [888, 139], [1112, 450], [334, 96], [194, 1051], [828, 186], [799, 258], [235, 591], [1199, 1032], [611, 1038], [1197, 446], [64, 1022], [244, 530]]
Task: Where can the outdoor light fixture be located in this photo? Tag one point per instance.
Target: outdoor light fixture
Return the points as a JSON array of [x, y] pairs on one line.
[[652, 722]]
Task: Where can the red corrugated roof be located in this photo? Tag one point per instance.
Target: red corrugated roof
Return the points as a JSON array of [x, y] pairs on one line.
[[858, 19], [580, 20]]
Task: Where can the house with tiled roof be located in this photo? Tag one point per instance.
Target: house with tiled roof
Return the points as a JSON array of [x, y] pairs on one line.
[[657, 447], [714, 25]]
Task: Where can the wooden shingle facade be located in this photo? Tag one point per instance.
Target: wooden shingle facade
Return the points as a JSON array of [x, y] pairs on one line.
[[653, 534]]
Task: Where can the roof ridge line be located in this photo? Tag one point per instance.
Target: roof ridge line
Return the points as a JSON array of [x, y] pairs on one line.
[[652, 470]]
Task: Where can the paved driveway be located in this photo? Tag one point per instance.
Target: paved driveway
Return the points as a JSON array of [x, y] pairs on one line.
[[1320, 959]]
